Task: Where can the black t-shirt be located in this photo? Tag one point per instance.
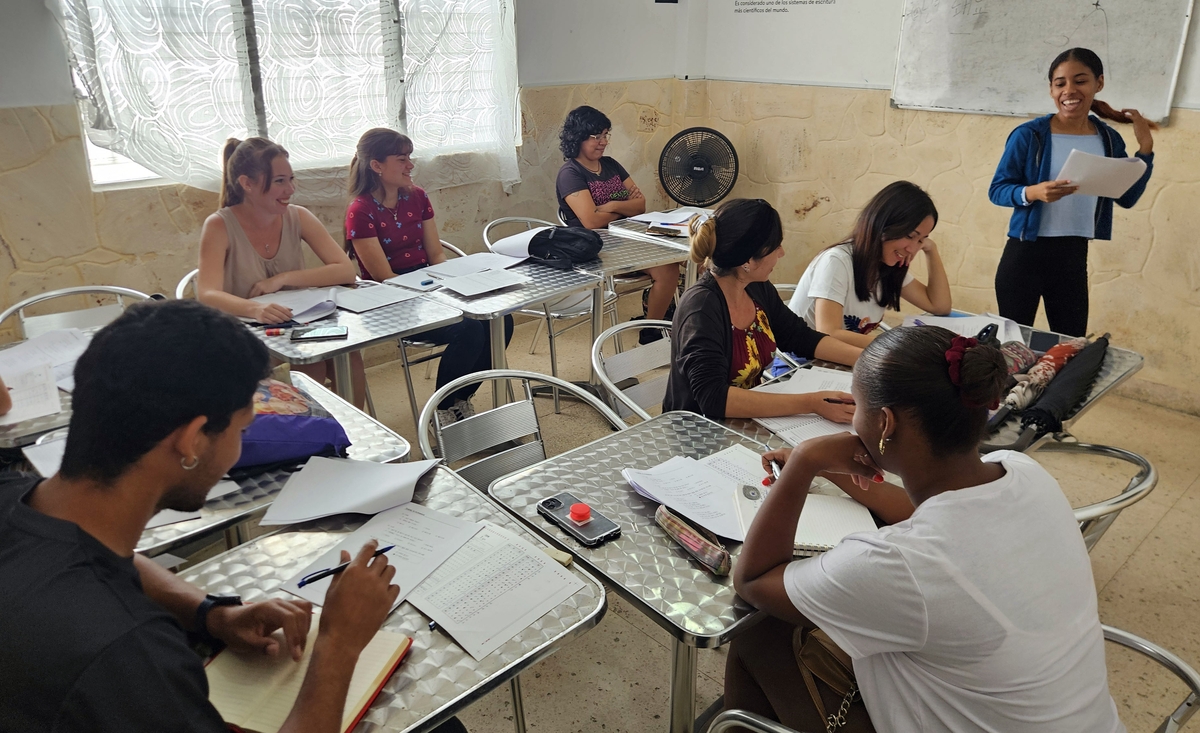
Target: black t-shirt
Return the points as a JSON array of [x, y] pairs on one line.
[[82, 648], [608, 185]]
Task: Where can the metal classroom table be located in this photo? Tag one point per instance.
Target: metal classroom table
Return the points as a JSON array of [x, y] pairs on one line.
[[370, 440], [637, 230], [390, 323], [25, 432], [644, 565], [437, 678]]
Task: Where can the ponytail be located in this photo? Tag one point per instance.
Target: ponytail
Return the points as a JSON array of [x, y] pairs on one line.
[[252, 158]]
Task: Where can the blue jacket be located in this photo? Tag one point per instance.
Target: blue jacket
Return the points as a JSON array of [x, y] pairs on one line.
[[1026, 162]]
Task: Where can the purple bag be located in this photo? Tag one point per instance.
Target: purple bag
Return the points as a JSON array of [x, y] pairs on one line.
[[289, 427]]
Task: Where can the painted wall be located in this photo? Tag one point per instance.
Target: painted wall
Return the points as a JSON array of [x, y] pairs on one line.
[[33, 61]]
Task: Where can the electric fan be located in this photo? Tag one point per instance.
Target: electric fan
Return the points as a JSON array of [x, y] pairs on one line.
[[698, 167]]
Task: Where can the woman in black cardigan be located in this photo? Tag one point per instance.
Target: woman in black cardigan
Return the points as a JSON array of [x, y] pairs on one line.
[[730, 322]]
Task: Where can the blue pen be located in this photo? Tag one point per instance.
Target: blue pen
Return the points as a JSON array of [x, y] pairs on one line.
[[322, 574], [918, 322]]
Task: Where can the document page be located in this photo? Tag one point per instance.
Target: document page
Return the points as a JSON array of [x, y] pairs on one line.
[[737, 463], [307, 305], [807, 381], [473, 263], [171, 516], [33, 393], [46, 457], [370, 297], [696, 491], [491, 589], [423, 539], [1099, 175], [328, 486], [483, 282], [421, 280], [796, 429], [677, 216]]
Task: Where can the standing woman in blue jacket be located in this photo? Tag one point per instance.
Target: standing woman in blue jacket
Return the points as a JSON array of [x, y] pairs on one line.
[[1046, 255]]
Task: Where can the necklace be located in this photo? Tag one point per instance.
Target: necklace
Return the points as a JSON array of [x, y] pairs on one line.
[[596, 172]]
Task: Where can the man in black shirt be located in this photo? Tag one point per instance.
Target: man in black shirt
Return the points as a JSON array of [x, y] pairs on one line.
[[92, 634]]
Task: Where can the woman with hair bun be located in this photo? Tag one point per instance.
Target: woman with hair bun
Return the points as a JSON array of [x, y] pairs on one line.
[[1045, 258], [954, 618], [729, 324], [251, 246]]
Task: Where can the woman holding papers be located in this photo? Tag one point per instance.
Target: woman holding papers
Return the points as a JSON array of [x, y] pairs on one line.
[[390, 231], [1046, 254], [251, 246], [977, 613], [729, 324], [846, 289], [595, 190]]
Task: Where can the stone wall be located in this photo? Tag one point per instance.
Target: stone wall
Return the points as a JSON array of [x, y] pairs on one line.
[[817, 153]]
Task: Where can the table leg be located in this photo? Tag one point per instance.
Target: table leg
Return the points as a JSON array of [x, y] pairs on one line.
[[499, 357], [683, 687], [518, 704], [597, 323], [689, 274], [342, 383]]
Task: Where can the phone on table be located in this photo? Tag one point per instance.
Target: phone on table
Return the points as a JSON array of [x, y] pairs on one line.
[[320, 333], [1043, 340], [596, 530]]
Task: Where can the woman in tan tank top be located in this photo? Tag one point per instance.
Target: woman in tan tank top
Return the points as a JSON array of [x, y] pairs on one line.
[[252, 245]]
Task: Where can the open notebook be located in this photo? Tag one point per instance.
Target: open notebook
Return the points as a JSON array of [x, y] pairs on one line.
[[256, 692], [824, 522], [796, 429]]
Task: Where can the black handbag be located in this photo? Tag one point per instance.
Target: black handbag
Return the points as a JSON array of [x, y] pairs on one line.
[[564, 247]]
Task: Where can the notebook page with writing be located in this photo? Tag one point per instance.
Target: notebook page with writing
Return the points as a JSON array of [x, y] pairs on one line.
[[257, 693], [738, 463], [826, 520], [796, 429]]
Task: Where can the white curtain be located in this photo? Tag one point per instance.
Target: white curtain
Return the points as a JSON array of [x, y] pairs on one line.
[[165, 82]]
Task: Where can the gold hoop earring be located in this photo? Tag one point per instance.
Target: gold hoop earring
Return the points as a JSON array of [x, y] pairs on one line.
[[183, 463], [882, 447]]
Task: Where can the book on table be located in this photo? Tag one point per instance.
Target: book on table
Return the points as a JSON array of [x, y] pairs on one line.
[[256, 692]]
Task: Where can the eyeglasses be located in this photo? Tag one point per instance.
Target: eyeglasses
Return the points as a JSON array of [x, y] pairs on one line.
[[601, 138]]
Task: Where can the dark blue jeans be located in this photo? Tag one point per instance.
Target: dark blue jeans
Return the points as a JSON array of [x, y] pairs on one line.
[[466, 352]]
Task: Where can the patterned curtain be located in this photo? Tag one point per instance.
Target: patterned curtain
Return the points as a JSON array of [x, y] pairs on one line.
[[165, 82]]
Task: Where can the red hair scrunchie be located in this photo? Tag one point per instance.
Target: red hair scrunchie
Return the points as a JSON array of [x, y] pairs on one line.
[[954, 357]]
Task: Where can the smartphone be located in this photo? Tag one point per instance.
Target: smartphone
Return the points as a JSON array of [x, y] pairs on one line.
[[596, 530], [1042, 340], [320, 333]]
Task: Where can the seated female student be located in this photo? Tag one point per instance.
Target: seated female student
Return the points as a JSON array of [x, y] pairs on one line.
[[730, 322], [390, 231], [846, 288], [251, 245], [595, 190], [978, 613]]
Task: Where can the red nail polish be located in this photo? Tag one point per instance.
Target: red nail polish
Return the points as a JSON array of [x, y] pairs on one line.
[[767, 481], [877, 478]]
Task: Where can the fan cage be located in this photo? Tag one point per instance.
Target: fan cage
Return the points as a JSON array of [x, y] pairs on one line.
[[698, 167]]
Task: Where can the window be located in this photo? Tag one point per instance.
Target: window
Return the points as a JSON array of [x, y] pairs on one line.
[[111, 169], [165, 82]]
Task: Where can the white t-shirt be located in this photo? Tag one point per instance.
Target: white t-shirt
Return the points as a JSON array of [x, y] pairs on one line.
[[831, 276], [976, 614]]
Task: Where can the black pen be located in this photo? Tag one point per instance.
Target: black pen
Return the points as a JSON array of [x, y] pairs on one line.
[[322, 574], [836, 401]]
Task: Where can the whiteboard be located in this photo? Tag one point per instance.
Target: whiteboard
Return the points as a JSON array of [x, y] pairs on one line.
[[992, 56]]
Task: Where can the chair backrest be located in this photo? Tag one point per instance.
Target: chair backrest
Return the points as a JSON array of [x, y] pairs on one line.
[[562, 222], [518, 222], [186, 282], [93, 317], [728, 720], [1095, 519], [452, 249], [486, 430], [619, 368]]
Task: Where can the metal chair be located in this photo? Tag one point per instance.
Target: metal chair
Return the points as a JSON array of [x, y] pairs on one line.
[[511, 422], [93, 317], [574, 308], [186, 282], [626, 365], [730, 719]]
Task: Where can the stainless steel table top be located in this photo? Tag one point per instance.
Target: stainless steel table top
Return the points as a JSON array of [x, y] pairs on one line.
[[546, 284], [637, 230], [370, 440], [25, 432], [621, 255], [437, 678], [644, 565], [391, 322]]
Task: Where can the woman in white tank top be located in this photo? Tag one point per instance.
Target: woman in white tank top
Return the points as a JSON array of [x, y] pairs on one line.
[[252, 245]]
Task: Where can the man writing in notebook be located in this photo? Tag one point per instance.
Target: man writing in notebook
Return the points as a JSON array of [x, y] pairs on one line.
[[94, 634]]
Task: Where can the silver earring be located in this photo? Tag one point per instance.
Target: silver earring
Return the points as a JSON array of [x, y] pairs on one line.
[[746, 268], [185, 466]]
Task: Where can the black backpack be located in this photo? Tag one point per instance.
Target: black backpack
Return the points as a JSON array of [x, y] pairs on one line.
[[564, 247]]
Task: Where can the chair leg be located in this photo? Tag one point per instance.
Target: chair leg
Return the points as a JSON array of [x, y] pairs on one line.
[[370, 402], [518, 704], [412, 394], [553, 358], [537, 331]]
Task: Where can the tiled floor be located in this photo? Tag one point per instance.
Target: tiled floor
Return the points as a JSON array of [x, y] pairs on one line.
[[615, 678]]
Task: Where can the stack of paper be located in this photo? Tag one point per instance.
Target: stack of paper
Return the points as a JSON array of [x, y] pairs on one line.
[[60, 349], [676, 216], [328, 486], [796, 429], [33, 393], [1099, 175], [307, 305], [368, 297], [421, 280], [970, 326], [698, 492], [471, 264]]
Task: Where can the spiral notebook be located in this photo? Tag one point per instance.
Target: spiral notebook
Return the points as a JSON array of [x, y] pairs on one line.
[[824, 522]]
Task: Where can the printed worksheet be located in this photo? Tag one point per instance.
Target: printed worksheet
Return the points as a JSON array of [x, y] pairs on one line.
[[696, 491], [492, 588], [33, 393]]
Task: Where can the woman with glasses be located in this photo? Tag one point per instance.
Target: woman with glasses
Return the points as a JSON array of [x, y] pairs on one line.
[[595, 190]]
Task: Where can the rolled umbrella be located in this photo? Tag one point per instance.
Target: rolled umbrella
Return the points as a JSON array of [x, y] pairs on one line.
[[1063, 395]]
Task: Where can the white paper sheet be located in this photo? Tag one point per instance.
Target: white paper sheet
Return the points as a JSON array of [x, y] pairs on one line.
[[483, 282], [370, 297], [328, 486], [516, 245], [306, 304], [807, 381], [422, 280], [737, 463], [33, 393], [46, 457], [60, 349], [1098, 175], [970, 326], [491, 589], [676, 216], [796, 429], [824, 522], [696, 491], [171, 516], [473, 263], [424, 539]]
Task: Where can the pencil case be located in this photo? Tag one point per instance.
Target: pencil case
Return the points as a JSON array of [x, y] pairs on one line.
[[699, 542]]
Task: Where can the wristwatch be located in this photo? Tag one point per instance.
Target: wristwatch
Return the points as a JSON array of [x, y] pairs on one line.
[[210, 602]]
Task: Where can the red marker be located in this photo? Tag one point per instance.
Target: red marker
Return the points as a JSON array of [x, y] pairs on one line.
[[274, 332]]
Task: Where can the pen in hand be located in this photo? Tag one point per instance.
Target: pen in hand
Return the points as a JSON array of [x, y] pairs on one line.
[[322, 574], [836, 401], [775, 469]]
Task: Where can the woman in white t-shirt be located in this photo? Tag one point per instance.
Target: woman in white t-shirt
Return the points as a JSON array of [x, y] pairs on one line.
[[977, 613], [847, 287]]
